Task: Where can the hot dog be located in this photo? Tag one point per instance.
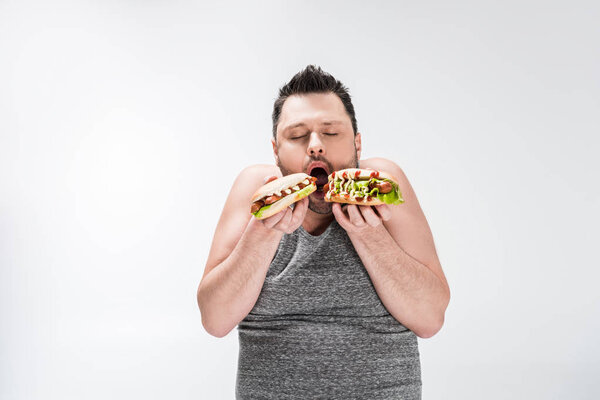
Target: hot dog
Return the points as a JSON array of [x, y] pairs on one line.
[[363, 187], [278, 194]]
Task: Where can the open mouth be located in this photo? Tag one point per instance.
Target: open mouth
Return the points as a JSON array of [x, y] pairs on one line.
[[321, 176]]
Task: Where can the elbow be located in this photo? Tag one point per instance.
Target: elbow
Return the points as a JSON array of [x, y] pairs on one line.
[[214, 331], [429, 331], [211, 326], [206, 322], [435, 326]]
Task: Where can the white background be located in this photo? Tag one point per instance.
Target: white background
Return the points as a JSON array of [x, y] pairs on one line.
[[113, 114]]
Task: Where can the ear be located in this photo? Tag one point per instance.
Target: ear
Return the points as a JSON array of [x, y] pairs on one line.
[[358, 145], [275, 150]]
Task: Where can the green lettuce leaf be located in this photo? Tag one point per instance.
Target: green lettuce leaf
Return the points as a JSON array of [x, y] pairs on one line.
[[260, 212], [393, 197]]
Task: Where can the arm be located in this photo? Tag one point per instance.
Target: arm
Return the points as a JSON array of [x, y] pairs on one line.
[[228, 293], [410, 291], [399, 256], [241, 253]]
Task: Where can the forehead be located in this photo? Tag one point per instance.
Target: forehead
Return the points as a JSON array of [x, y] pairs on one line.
[[311, 109]]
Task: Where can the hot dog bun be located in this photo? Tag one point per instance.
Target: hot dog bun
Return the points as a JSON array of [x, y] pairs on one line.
[[363, 174], [279, 184], [336, 198], [278, 187]]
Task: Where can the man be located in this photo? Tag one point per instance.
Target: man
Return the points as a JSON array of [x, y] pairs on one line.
[[329, 299]]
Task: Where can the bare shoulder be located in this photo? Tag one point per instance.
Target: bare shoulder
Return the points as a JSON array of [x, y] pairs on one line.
[[383, 164], [408, 224], [248, 180], [251, 178], [236, 212]]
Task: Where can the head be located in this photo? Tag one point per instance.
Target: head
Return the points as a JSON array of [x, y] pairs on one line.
[[314, 121]]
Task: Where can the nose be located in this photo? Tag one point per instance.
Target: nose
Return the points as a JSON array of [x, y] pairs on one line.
[[315, 146]]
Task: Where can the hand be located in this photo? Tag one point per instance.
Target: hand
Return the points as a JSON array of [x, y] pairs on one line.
[[288, 220], [360, 218]]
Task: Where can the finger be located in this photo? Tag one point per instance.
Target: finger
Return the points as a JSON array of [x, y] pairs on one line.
[[355, 216], [299, 213], [340, 216], [269, 178], [284, 223], [271, 221], [301, 206], [384, 211], [369, 215]]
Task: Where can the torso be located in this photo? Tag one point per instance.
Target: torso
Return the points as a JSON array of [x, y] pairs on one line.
[[319, 327]]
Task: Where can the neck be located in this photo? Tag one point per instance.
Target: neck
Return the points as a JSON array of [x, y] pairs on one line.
[[315, 223]]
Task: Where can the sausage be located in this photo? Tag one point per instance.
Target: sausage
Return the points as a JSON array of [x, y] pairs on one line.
[[384, 187], [257, 205], [265, 201], [272, 199]]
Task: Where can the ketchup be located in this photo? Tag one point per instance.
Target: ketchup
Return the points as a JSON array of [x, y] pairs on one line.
[[345, 175], [333, 174], [374, 174], [356, 174]]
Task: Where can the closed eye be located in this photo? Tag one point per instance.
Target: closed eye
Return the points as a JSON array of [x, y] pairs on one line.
[[325, 133]]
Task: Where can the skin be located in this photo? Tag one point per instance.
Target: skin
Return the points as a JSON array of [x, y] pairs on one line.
[[325, 135], [384, 236], [394, 243]]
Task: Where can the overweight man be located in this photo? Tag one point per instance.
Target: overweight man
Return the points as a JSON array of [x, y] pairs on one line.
[[328, 298]]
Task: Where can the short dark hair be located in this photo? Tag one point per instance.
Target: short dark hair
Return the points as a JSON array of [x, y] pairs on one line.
[[313, 79]]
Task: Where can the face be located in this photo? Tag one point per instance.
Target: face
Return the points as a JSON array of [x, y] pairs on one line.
[[315, 128]]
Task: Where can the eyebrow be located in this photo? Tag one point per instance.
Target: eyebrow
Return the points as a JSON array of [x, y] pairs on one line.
[[303, 124]]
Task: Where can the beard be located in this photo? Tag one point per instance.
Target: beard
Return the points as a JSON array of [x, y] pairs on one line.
[[320, 206]]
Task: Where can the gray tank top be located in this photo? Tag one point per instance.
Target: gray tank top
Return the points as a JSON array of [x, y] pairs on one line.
[[319, 330]]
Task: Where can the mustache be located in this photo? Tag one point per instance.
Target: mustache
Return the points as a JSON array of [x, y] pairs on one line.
[[321, 159]]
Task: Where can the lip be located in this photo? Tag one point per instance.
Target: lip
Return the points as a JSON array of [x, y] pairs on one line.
[[317, 164]]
